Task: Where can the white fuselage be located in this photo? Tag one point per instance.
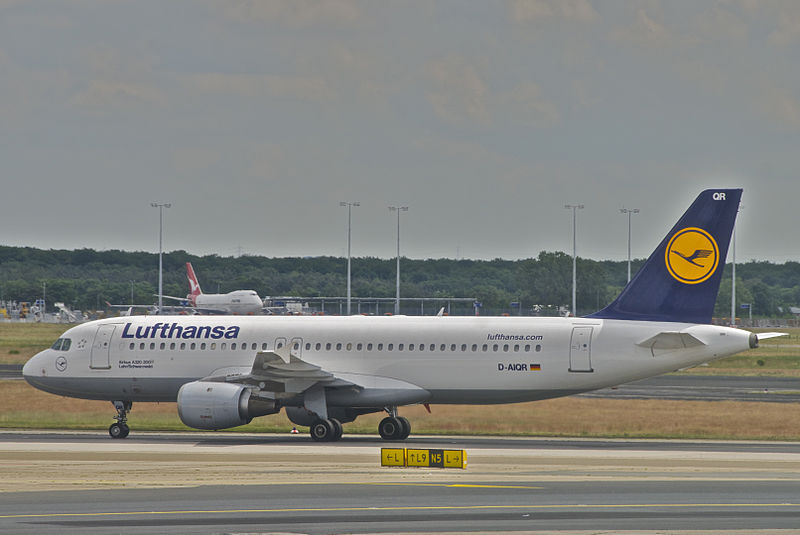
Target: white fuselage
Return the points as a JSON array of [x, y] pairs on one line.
[[238, 302], [467, 360]]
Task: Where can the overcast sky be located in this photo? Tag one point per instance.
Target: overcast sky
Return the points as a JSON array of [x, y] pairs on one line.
[[256, 118]]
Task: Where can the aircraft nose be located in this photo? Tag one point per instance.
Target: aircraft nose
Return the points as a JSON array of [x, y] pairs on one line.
[[35, 367]]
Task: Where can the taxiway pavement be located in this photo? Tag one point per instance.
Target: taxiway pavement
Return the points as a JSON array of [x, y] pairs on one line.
[[234, 483]]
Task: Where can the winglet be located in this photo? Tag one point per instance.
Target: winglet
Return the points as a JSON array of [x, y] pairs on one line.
[[680, 280]]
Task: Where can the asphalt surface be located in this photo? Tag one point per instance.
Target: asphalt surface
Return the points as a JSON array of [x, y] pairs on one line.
[[289, 484]]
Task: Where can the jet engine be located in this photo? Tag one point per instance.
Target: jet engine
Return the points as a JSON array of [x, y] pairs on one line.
[[211, 405]]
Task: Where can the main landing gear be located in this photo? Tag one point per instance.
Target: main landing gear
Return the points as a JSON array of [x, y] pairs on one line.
[[120, 428], [328, 430], [394, 427]]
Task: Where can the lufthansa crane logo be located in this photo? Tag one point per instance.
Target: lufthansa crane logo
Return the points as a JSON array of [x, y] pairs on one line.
[[692, 255]]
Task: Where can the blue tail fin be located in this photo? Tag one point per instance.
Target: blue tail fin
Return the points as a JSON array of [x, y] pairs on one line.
[[680, 280]]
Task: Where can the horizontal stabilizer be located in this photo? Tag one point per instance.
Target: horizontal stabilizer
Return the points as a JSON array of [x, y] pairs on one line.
[[764, 336], [671, 340]]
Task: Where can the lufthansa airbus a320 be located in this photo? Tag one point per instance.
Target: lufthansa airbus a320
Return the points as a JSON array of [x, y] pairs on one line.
[[223, 371]]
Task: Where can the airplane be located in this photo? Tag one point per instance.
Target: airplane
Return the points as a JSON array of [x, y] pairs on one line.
[[325, 371], [235, 302]]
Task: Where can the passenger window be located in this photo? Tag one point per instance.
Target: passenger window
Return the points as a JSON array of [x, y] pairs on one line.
[[359, 346], [380, 347], [152, 345], [328, 346], [422, 347], [527, 347], [172, 345], [339, 346], [203, 345], [349, 346], [452, 347], [463, 347], [132, 346], [516, 348], [213, 345], [223, 345], [442, 347], [474, 347], [263, 346], [495, 347], [505, 347], [233, 345], [308, 346], [389, 347], [485, 347], [254, 347], [183, 345], [193, 346], [399, 347], [317, 346], [369, 346], [163, 345], [410, 347], [433, 347], [538, 348], [141, 345]]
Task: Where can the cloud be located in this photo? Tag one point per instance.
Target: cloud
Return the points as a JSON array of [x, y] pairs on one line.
[[781, 106], [309, 88], [459, 92], [788, 26], [645, 30], [295, 13], [525, 103], [104, 95], [526, 11]]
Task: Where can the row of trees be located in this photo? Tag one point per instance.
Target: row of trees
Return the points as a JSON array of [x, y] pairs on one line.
[[86, 279]]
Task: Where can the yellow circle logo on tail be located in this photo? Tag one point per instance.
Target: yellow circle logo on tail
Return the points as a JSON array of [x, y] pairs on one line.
[[692, 255]]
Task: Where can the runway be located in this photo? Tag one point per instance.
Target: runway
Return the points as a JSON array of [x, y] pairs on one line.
[[231, 483]]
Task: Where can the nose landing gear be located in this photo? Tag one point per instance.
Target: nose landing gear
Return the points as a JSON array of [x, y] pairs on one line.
[[120, 428]]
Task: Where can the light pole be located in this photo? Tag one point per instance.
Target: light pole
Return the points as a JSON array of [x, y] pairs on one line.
[[160, 207], [132, 283], [349, 209], [398, 209], [630, 212], [574, 208], [733, 273]]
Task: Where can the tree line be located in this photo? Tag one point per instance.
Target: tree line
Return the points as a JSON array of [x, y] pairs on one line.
[[86, 279]]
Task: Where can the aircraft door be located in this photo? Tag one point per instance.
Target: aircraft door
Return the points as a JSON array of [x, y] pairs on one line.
[[297, 348], [101, 348], [580, 350]]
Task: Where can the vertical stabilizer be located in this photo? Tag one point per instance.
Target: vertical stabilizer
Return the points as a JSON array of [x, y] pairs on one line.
[[680, 280], [194, 286]]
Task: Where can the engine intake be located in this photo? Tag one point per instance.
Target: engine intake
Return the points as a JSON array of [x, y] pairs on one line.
[[211, 405]]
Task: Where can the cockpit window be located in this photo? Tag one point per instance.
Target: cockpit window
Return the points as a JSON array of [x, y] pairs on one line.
[[62, 344]]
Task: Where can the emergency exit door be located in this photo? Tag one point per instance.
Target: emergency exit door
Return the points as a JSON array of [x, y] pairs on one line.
[[580, 350]]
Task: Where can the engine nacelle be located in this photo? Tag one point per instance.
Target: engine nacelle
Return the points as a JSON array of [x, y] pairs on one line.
[[211, 405]]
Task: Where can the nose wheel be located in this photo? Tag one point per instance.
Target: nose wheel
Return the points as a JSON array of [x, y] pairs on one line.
[[120, 428]]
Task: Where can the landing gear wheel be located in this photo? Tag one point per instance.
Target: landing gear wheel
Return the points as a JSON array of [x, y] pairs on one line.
[[391, 428], [322, 430], [406, 425], [337, 429], [118, 430]]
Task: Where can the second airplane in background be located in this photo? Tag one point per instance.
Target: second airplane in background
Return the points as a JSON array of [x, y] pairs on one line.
[[237, 302]]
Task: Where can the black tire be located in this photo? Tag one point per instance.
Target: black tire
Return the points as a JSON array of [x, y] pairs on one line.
[[390, 428], [321, 430], [337, 429], [406, 427], [117, 430]]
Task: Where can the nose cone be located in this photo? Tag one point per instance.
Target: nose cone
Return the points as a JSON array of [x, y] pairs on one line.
[[36, 367]]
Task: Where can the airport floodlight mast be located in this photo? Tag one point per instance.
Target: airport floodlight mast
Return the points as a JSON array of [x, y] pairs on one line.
[[398, 209], [629, 211], [574, 208], [160, 207], [349, 210], [733, 271]]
